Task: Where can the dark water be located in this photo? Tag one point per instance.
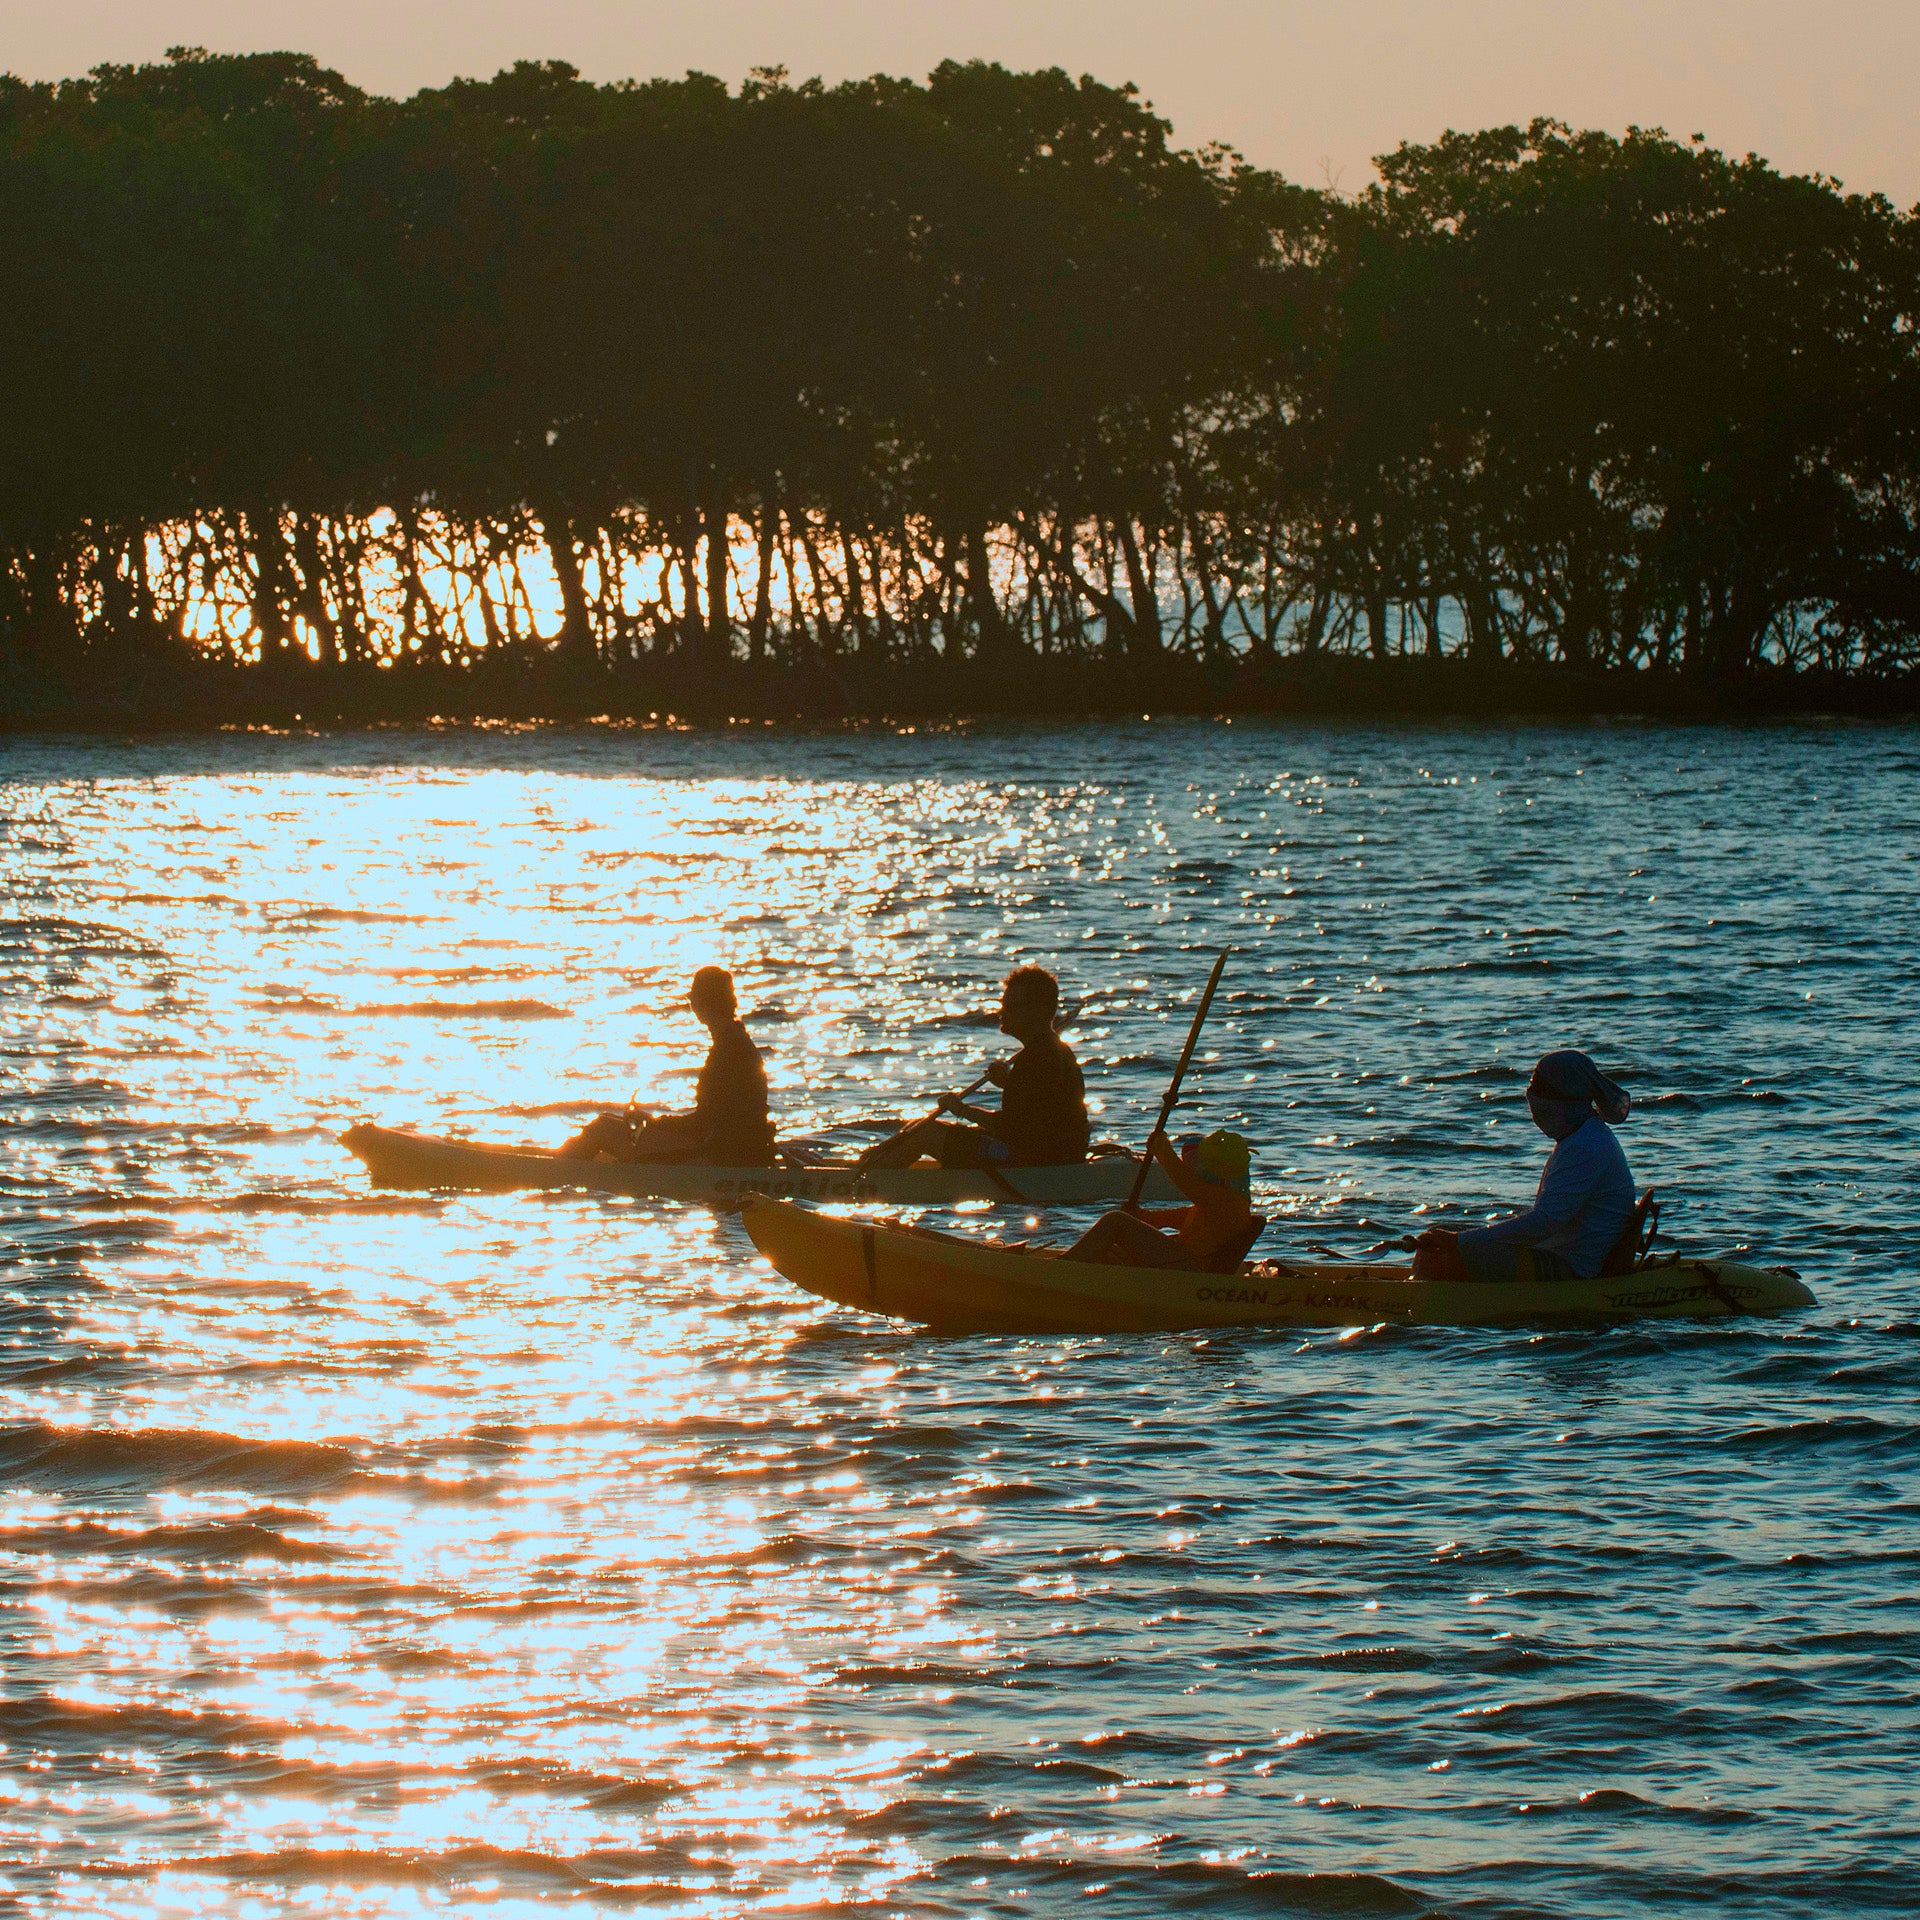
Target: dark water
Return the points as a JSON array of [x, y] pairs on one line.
[[373, 1555]]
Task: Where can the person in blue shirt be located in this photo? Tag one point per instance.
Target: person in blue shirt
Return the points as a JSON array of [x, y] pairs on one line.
[[1586, 1194]]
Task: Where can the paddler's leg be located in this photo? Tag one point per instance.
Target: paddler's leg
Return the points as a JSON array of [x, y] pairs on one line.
[[902, 1149], [672, 1137], [1439, 1255], [609, 1133], [1121, 1239]]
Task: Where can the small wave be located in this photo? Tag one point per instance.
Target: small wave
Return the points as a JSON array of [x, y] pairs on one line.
[[381, 1867], [1376, 1659], [1617, 1803], [62, 1092], [456, 976], [545, 1110], [48, 1724], [355, 917], [321, 1205], [218, 1540], [1191, 1886], [1600, 1715], [39, 1455], [1806, 1436], [463, 1010]]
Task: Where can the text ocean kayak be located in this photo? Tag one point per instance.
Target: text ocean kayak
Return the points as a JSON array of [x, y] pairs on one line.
[[399, 1159], [957, 1285]]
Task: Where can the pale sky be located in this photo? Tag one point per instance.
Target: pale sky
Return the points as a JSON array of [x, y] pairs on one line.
[[1313, 87]]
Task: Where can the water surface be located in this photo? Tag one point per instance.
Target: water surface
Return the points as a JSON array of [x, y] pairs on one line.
[[372, 1555]]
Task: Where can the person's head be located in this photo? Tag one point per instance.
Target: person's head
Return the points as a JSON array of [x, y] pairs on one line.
[[1567, 1090], [711, 996], [1220, 1156], [1029, 999]]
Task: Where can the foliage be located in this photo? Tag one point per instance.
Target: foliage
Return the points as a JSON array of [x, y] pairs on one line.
[[896, 372]]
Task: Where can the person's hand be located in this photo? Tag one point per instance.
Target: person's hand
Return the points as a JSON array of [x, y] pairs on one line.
[[997, 1073], [947, 1103], [1436, 1237]]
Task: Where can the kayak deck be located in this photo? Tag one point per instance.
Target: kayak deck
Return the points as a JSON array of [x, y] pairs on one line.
[[955, 1285], [398, 1158]]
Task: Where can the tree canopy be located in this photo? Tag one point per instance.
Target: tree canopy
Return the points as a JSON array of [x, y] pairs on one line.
[[892, 373]]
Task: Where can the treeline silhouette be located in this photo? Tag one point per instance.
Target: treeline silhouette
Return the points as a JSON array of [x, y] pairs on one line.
[[973, 383]]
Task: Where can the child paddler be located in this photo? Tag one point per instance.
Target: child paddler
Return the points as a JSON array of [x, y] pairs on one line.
[[728, 1126], [1210, 1233], [1042, 1120]]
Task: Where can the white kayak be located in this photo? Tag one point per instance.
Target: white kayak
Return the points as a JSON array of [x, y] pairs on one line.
[[396, 1158]]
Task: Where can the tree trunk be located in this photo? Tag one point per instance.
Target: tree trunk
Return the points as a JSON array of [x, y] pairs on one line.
[[1376, 618], [991, 639], [119, 619], [1145, 638], [260, 528], [310, 599], [1316, 633], [817, 577], [1483, 631], [797, 623], [856, 592], [1213, 642], [576, 622], [762, 620], [719, 600]]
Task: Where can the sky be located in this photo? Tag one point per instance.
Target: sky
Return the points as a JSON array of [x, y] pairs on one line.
[[1312, 87]]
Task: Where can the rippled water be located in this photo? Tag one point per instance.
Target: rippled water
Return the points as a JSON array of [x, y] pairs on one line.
[[377, 1554]]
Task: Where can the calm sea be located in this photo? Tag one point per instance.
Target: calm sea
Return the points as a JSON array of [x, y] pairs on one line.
[[371, 1555]]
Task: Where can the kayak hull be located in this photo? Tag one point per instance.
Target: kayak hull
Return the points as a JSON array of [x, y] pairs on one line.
[[396, 1158], [954, 1285]]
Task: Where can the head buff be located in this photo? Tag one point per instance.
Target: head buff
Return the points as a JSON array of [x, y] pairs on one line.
[[1572, 1077], [1225, 1157]]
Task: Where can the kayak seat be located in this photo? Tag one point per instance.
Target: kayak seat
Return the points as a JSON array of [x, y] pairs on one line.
[[1636, 1237], [1229, 1257]]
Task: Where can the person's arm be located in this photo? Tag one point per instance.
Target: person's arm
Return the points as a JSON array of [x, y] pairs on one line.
[[1177, 1170], [1569, 1178], [979, 1116]]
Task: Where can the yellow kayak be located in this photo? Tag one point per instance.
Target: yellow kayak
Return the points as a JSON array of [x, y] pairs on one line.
[[396, 1158], [956, 1285]]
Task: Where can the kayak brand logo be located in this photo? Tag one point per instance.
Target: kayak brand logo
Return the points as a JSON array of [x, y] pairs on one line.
[[797, 1187], [1234, 1296], [1360, 1303], [1643, 1298]]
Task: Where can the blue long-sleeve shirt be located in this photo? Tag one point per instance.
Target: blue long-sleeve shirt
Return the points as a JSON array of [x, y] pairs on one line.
[[1585, 1199]]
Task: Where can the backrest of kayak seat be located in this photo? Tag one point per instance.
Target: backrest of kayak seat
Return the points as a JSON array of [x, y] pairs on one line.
[[1228, 1259]]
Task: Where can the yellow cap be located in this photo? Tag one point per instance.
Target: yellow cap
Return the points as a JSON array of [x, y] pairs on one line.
[[1225, 1157]]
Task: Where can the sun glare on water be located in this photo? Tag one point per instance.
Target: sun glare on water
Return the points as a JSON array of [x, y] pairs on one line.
[[373, 1553]]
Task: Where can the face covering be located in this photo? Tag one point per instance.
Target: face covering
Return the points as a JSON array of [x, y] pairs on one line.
[[1569, 1080], [1558, 1118]]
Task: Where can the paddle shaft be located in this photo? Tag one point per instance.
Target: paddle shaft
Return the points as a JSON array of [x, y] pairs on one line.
[[965, 1093], [1172, 1099]]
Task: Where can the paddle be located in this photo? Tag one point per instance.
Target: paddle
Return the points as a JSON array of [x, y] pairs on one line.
[[1061, 1022], [1172, 1099]]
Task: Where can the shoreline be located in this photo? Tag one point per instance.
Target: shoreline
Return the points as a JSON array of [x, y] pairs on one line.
[[166, 697]]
